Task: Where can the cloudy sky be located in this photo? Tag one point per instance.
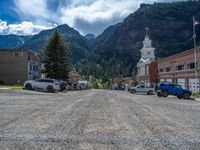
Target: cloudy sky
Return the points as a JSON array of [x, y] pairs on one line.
[[28, 17]]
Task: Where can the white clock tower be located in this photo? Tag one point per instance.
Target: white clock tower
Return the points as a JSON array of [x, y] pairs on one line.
[[147, 65]]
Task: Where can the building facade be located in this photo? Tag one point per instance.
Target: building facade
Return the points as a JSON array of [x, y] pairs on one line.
[[122, 82], [74, 75], [17, 66], [180, 69], [147, 66]]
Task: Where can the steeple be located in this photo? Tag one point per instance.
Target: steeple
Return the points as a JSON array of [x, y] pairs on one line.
[[147, 51], [147, 41]]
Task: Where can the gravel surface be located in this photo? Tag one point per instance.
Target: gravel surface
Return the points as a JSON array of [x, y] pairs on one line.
[[98, 120]]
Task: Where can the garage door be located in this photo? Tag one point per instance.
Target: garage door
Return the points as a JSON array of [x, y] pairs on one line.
[[169, 80], [162, 80], [193, 84], [181, 82]]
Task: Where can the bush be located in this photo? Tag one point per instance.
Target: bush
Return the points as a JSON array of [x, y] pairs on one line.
[[197, 94]]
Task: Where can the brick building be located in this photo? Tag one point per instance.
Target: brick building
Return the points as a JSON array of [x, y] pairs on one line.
[[180, 69], [147, 66], [17, 66]]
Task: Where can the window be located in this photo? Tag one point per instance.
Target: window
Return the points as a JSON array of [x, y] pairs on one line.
[[31, 67], [41, 80], [168, 69], [18, 54], [147, 73], [191, 65], [49, 81], [142, 86], [34, 68], [161, 70], [142, 71], [180, 67]]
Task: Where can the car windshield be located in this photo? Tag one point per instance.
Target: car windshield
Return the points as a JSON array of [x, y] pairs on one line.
[[176, 86]]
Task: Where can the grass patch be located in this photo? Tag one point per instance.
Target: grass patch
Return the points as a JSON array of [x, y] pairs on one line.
[[196, 94], [13, 87]]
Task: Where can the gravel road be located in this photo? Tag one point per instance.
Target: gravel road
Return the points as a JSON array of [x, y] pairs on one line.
[[98, 120]]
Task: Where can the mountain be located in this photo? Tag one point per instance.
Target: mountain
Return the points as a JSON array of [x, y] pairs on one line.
[[116, 51], [77, 44], [12, 41], [170, 29], [101, 41], [90, 36]]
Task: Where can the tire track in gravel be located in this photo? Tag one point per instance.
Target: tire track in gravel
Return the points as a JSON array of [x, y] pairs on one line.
[[40, 114], [161, 129]]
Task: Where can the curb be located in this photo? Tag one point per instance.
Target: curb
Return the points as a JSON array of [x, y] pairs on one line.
[[5, 88]]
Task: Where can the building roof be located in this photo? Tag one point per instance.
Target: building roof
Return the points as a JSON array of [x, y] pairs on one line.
[[18, 50], [184, 53]]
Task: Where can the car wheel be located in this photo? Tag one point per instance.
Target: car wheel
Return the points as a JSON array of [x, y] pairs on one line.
[[150, 92], [165, 94], [159, 94], [28, 86], [50, 88], [186, 96], [179, 96], [133, 91]]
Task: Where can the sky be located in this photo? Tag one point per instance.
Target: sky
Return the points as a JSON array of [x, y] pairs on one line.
[[29, 17]]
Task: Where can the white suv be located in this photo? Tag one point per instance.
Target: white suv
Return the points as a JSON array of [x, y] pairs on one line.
[[49, 85]]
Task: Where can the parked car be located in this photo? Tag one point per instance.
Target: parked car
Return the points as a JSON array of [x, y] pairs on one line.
[[120, 87], [165, 89], [69, 85], [63, 85], [49, 85], [142, 89], [76, 86], [2, 83]]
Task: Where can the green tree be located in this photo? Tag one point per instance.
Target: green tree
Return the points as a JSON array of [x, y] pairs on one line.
[[56, 58]]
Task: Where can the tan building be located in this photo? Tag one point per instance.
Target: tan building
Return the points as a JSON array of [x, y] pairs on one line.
[[117, 82], [147, 66], [180, 69], [17, 66], [74, 75]]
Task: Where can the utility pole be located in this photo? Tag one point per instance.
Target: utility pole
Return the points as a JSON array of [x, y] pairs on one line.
[[195, 51]]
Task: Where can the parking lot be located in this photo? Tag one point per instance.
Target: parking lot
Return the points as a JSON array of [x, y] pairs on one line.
[[97, 119]]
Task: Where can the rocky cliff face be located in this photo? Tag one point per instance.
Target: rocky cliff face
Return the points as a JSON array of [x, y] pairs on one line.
[[170, 28]]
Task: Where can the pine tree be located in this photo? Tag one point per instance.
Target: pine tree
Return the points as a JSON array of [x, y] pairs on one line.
[[56, 58]]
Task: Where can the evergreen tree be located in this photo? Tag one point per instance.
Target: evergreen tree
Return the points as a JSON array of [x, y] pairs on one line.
[[56, 58]]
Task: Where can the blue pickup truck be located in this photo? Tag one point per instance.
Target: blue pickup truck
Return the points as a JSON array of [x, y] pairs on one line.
[[165, 89]]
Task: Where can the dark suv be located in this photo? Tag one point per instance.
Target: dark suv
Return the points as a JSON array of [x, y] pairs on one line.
[[165, 89]]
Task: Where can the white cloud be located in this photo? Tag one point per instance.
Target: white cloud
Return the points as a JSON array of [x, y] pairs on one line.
[[3, 26], [97, 14], [23, 28], [33, 8], [108, 11]]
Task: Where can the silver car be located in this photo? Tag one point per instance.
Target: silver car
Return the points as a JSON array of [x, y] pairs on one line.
[[49, 85]]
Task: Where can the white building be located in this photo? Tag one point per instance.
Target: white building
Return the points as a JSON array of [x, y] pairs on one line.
[[147, 67]]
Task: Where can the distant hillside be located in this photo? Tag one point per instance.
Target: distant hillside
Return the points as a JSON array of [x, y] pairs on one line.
[[90, 36], [12, 41], [77, 44]]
